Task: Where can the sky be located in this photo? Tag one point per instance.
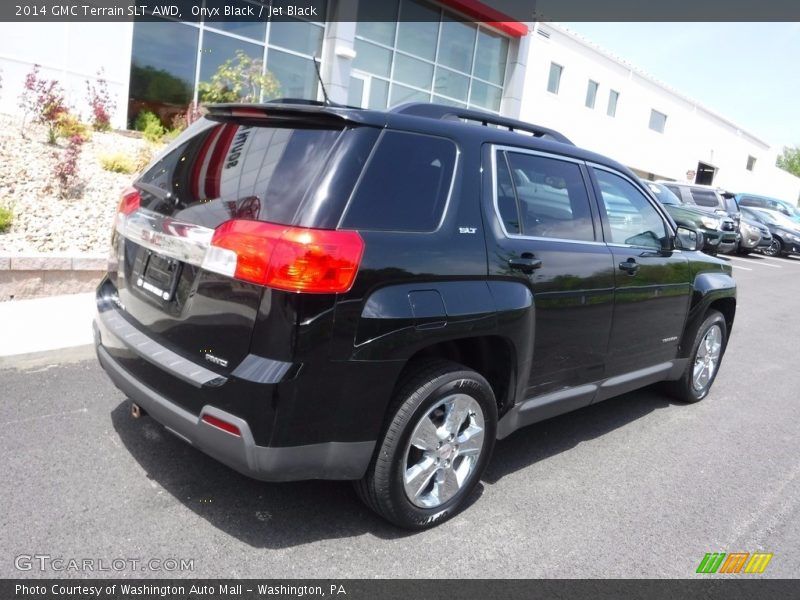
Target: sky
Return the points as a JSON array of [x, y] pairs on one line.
[[748, 73]]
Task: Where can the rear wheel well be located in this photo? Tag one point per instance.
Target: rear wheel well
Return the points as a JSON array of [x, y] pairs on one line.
[[491, 356]]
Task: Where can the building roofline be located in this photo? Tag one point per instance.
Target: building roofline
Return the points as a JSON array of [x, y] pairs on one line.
[[562, 29]]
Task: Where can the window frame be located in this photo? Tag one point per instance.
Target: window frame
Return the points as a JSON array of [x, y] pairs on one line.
[[496, 149]]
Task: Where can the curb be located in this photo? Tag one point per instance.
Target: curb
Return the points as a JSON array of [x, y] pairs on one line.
[[37, 275]]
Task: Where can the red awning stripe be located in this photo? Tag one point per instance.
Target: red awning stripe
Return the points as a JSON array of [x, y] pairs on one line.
[[488, 15]]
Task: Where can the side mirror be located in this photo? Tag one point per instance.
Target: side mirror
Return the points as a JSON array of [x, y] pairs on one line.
[[687, 239]]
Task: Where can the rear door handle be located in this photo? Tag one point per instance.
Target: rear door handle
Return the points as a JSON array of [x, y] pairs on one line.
[[630, 266], [527, 263]]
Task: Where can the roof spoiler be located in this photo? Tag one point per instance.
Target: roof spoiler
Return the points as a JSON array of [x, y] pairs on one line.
[[284, 110]]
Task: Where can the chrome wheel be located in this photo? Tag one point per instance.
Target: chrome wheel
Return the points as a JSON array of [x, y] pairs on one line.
[[707, 358], [774, 248], [444, 449]]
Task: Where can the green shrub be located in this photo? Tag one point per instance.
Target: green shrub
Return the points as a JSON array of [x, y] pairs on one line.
[[6, 218], [68, 126], [117, 163], [150, 126]]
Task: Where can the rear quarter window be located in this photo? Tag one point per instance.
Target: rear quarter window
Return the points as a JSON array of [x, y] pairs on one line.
[[405, 185]]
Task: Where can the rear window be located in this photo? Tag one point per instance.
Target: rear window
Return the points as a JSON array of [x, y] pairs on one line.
[[405, 185], [237, 171], [704, 197]]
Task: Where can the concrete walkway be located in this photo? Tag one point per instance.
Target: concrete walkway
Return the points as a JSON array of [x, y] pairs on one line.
[[46, 330]]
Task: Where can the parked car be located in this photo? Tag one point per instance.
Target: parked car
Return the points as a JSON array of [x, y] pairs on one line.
[[785, 232], [753, 235], [757, 201], [311, 291], [719, 231], [708, 198]]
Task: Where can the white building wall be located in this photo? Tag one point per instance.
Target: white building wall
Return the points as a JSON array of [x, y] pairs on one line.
[[692, 132], [71, 53]]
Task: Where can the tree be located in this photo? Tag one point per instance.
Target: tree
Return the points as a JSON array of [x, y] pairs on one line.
[[789, 160], [240, 79]]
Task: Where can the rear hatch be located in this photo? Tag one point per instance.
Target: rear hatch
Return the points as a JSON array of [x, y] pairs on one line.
[[194, 235]]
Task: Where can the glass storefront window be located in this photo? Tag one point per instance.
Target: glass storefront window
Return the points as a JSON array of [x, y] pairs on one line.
[[461, 63], [418, 31], [401, 94], [297, 75], [379, 94], [450, 83], [485, 95], [355, 91], [218, 48], [372, 59], [248, 29], [413, 72], [299, 36], [163, 64], [448, 102], [490, 57], [377, 31], [457, 45]]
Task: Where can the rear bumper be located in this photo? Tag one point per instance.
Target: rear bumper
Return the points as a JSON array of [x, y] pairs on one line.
[[329, 460]]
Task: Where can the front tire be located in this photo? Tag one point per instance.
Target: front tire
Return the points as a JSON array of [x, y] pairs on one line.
[[708, 348], [436, 446]]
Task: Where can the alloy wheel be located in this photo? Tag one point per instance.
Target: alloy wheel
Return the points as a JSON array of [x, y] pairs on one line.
[[444, 448], [707, 358]]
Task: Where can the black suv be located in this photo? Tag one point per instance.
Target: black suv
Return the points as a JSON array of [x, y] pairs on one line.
[[307, 291]]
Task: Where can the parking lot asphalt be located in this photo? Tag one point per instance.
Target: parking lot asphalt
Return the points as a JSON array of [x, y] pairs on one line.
[[637, 486]]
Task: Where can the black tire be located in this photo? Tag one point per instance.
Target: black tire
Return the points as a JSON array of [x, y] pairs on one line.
[[431, 387], [686, 388], [744, 251], [775, 249]]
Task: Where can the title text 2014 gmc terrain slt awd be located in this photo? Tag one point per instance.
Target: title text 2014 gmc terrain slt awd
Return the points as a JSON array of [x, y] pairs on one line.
[[309, 291]]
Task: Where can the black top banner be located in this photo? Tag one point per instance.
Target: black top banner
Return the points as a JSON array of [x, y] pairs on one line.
[[524, 11]]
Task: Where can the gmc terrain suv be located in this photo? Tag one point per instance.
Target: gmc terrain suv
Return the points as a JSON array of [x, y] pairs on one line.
[[307, 291]]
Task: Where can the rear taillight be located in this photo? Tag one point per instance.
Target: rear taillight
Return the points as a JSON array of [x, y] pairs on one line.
[[295, 259], [224, 425], [129, 202]]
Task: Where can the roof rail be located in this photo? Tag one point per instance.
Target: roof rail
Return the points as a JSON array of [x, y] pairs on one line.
[[441, 111]]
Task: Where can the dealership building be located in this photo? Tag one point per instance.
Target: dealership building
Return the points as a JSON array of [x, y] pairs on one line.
[[538, 72]]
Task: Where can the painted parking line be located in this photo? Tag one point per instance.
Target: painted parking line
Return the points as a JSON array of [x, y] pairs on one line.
[[782, 261], [751, 261], [741, 268]]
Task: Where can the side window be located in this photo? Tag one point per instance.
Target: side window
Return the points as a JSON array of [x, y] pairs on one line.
[[405, 185], [675, 190], [749, 201], [631, 217], [704, 197], [549, 197]]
